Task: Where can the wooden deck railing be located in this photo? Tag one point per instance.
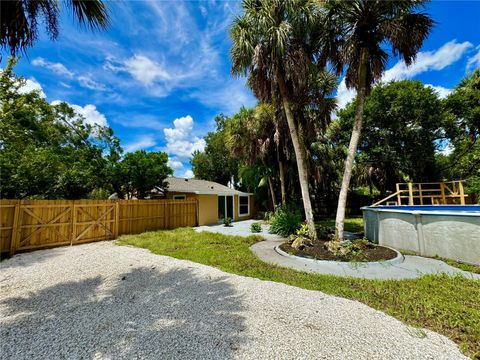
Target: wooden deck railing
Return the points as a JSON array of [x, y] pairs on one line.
[[451, 192]]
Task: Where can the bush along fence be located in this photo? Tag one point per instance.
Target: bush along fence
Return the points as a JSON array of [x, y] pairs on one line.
[[34, 224]]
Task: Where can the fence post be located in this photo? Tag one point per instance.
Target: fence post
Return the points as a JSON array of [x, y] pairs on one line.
[[74, 223], [442, 189], [399, 199], [167, 215], [410, 193], [15, 230], [197, 215], [462, 193], [116, 224]]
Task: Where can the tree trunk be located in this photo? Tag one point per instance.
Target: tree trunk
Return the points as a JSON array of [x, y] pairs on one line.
[[272, 193], [282, 181], [299, 155], [352, 147]]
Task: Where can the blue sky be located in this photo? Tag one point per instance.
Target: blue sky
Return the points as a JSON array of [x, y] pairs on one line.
[[161, 72]]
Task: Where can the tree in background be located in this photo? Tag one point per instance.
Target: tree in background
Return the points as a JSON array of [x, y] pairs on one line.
[[402, 123], [48, 151], [250, 140], [353, 34], [19, 20], [462, 129], [140, 172], [215, 162], [270, 45]]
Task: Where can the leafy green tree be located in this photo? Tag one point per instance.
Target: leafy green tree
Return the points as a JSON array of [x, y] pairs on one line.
[[140, 172], [215, 162], [250, 139], [48, 151], [402, 123], [462, 130], [354, 34], [270, 44], [19, 20]]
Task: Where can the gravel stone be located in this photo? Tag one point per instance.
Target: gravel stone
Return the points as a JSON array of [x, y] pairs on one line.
[[102, 301]]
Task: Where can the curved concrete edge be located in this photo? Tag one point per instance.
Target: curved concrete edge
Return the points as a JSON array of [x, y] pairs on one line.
[[396, 260]]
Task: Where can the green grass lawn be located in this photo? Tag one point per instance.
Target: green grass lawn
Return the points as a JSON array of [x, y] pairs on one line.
[[354, 225], [448, 305]]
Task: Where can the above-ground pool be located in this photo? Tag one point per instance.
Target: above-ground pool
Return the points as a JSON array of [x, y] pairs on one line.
[[449, 231]]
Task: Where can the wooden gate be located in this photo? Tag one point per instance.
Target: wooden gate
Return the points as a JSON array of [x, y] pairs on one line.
[[42, 224], [93, 222]]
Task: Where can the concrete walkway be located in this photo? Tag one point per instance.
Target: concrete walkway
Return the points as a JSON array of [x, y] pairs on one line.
[[411, 267]]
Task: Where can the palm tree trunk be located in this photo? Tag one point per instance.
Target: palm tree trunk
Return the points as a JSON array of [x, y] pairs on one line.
[[352, 147], [282, 181], [272, 192], [299, 155]]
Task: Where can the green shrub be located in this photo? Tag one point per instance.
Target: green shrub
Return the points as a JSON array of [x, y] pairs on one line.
[[472, 188], [285, 221], [256, 227], [227, 221], [268, 216]]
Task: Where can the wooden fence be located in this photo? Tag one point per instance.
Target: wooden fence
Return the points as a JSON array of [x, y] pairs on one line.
[[451, 192], [34, 224]]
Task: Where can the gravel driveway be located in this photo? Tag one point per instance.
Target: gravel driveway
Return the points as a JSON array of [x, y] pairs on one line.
[[102, 301]]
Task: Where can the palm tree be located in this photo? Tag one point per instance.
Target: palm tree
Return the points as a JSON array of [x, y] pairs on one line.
[[249, 137], [20, 18], [270, 46], [353, 35]]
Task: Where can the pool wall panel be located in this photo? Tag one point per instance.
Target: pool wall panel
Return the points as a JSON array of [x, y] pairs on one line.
[[454, 236]]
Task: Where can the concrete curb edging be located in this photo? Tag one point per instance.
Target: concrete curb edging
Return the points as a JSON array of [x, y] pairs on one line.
[[396, 260]]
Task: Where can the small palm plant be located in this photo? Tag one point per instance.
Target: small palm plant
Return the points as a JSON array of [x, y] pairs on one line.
[[227, 221]]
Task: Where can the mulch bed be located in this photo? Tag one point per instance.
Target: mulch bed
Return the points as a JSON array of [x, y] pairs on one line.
[[319, 252]]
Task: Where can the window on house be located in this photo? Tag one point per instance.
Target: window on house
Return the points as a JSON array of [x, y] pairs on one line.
[[179, 197], [243, 205]]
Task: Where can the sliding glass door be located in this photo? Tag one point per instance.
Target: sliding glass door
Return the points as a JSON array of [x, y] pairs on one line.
[[225, 206]]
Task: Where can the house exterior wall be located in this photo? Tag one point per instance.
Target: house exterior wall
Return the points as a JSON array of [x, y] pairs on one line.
[[208, 207], [188, 196], [236, 209]]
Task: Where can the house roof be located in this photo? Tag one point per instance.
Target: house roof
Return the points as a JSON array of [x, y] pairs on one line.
[[196, 186]]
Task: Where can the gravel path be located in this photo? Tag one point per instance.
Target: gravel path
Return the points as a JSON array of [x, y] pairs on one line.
[[102, 301]]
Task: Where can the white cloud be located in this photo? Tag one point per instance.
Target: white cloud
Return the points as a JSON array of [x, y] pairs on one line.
[[440, 90], [57, 68], [344, 95], [175, 164], [32, 85], [143, 142], [86, 81], [439, 59], [474, 62], [187, 174], [180, 140], [89, 112], [145, 70]]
